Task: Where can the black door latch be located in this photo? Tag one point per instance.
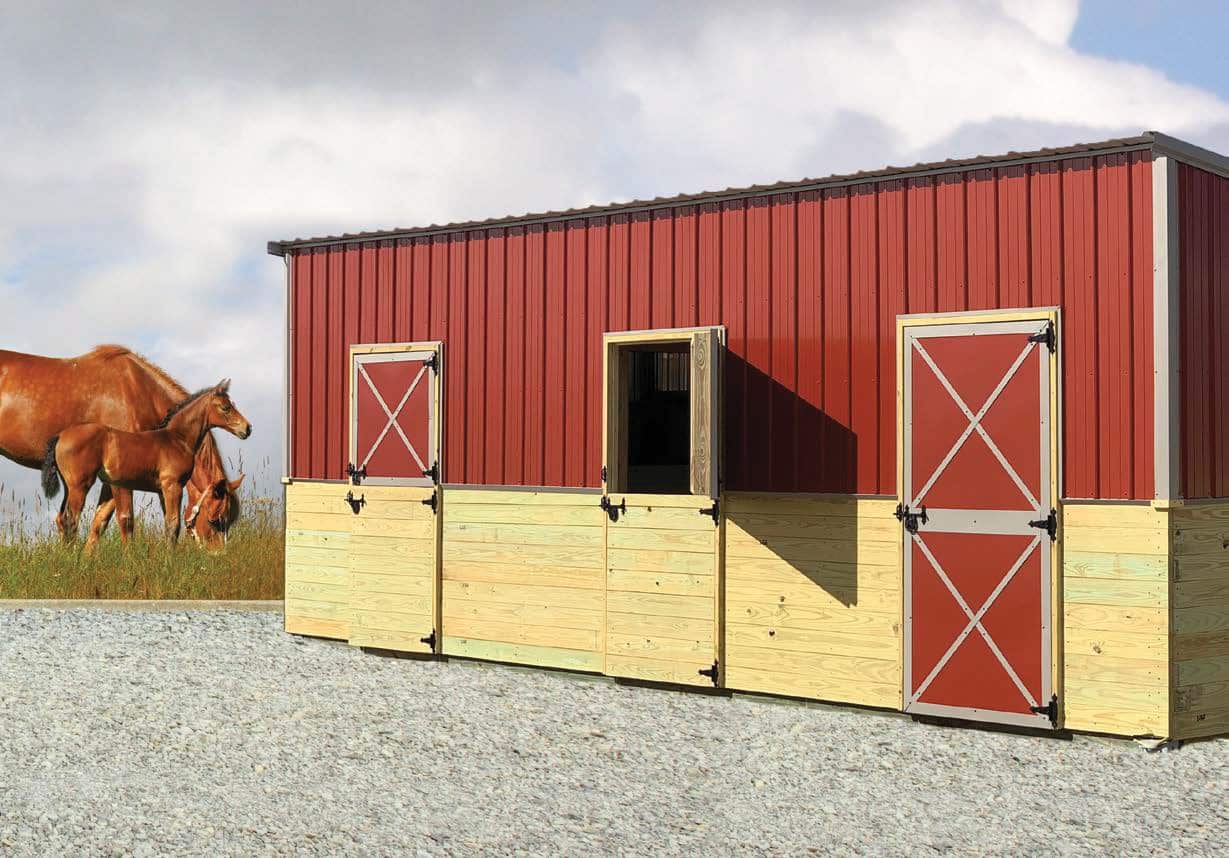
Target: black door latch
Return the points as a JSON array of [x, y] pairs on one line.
[[611, 509], [432, 502], [356, 503], [429, 640], [911, 519], [433, 472], [356, 475], [1045, 336], [1049, 524], [712, 673], [714, 511], [1050, 710]]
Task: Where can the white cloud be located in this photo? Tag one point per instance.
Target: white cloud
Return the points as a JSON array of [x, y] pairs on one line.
[[148, 159]]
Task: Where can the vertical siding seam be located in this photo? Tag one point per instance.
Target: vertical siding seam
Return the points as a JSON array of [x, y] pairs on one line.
[[1132, 404], [964, 226], [1030, 292], [934, 251], [798, 386], [1209, 192], [852, 465], [1098, 333]]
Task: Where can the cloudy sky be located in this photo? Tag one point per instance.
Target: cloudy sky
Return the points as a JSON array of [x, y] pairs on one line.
[[150, 150]]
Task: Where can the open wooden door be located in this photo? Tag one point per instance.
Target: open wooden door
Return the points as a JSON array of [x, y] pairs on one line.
[[394, 556], [706, 352], [663, 569]]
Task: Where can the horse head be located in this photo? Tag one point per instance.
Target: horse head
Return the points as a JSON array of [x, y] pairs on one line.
[[212, 511]]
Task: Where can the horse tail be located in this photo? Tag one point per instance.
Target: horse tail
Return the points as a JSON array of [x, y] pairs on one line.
[[51, 471]]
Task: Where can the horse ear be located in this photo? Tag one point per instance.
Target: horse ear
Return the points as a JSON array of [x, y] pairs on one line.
[[223, 386], [234, 484], [219, 489]]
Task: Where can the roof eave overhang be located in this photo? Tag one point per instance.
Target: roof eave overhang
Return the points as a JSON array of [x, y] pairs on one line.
[[1152, 140]]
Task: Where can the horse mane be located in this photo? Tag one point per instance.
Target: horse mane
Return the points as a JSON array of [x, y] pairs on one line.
[[182, 404]]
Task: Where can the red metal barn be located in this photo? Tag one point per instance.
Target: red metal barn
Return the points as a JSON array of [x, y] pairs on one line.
[[951, 439]]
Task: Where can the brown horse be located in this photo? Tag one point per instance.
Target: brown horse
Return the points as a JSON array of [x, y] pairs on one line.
[[40, 397], [159, 460]]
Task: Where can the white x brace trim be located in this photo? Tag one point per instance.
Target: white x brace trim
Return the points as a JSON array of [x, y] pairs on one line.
[[392, 416], [975, 424], [974, 620]]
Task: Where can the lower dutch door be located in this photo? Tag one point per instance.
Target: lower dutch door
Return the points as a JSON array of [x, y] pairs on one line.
[[979, 528]]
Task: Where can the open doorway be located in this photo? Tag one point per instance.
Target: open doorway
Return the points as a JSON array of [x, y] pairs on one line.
[[658, 419], [661, 411]]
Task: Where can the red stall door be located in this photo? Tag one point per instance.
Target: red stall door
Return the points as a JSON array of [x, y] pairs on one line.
[[977, 520], [392, 439]]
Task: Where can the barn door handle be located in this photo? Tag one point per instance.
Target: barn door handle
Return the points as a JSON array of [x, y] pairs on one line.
[[433, 472], [432, 502], [356, 475], [712, 673], [714, 511], [356, 503]]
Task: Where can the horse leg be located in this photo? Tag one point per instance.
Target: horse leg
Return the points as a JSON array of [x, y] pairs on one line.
[[74, 504], [172, 498], [123, 507], [61, 520], [106, 507]]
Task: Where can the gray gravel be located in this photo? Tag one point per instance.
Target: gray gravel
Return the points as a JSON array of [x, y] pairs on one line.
[[214, 732]]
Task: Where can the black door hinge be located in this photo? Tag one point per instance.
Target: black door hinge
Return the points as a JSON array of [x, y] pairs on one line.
[[611, 509], [356, 503], [1045, 335], [604, 474], [714, 511], [433, 472], [911, 519], [433, 363], [432, 502], [356, 475], [712, 673], [429, 640], [1050, 710], [1049, 524]]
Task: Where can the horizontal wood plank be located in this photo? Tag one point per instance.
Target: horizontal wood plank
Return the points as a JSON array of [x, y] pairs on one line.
[[822, 641], [814, 686], [510, 653]]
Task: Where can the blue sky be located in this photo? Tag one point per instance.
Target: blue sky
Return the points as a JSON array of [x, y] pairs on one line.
[[1189, 41], [151, 151]]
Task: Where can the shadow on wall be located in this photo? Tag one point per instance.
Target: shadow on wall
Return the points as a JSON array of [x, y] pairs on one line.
[[781, 547]]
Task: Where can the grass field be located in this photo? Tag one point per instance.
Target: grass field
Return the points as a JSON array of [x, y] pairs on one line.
[[37, 565]]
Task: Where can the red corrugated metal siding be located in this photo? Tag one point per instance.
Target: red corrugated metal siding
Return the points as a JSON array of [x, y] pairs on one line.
[[1203, 249], [808, 286]]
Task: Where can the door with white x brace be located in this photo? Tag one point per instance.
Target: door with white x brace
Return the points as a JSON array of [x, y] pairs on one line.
[[393, 474], [978, 521]]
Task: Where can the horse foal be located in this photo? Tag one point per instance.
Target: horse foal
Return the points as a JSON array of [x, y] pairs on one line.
[[159, 460]]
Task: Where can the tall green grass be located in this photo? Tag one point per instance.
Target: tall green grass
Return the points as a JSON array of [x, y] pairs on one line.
[[36, 564]]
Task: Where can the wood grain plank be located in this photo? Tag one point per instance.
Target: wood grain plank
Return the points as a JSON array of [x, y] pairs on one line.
[[814, 686], [578, 660]]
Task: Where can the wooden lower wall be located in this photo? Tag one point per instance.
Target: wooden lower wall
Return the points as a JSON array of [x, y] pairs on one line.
[[813, 598], [317, 598], [523, 577], [1200, 618], [1115, 619], [806, 594]]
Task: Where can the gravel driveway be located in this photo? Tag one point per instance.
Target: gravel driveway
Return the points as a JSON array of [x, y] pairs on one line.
[[214, 732]]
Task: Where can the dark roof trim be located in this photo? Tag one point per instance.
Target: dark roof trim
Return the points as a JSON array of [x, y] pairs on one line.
[[1170, 145]]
